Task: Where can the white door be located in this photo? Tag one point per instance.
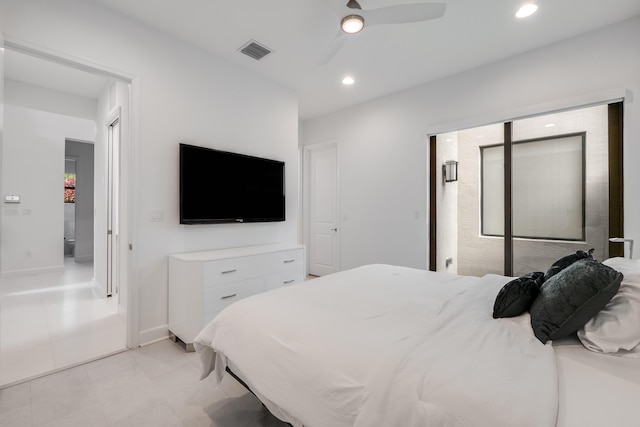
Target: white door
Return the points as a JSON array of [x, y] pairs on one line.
[[113, 208], [323, 210]]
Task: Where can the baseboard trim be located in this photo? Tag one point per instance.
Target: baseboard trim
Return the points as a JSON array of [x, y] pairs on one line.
[[33, 271], [151, 335], [63, 368]]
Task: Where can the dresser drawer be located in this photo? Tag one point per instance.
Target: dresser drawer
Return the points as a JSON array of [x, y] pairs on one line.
[[218, 297], [235, 269], [286, 260], [284, 279]]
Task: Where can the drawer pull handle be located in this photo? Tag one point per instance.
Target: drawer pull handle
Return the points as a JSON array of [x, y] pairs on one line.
[[230, 271], [287, 261], [286, 282], [229, 296]]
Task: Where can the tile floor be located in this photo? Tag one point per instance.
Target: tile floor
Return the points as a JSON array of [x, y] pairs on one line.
[[52, 321], [155, 385]]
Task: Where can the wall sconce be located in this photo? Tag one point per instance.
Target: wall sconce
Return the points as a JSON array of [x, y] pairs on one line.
[[450, 171], [622, 240]]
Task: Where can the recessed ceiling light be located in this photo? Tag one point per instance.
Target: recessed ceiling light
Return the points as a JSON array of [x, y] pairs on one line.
[[348, 81], [526, 10], [549, 125]]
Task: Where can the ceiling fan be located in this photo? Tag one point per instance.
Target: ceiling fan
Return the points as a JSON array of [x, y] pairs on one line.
[[398, 14]]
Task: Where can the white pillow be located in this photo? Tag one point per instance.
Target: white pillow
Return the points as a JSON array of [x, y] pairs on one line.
[[616, 328]]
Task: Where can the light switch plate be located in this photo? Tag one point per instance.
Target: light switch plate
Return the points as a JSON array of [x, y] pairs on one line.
[[157, 216], [12, 199]]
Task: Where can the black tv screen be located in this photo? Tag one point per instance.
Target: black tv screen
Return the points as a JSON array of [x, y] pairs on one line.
[[220, 187]]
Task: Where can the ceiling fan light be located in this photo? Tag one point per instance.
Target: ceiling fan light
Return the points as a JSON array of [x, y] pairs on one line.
[[352, 24]]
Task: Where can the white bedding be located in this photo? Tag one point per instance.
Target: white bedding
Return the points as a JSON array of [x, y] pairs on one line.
[[596, 389], [386, 346]]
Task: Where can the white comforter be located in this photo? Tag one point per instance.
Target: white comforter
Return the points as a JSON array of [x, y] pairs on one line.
[[386, 346]]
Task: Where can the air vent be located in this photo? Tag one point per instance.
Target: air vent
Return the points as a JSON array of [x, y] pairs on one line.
[[255, 50]]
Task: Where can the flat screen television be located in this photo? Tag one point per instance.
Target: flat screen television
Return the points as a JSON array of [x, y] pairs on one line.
[[222, 187]]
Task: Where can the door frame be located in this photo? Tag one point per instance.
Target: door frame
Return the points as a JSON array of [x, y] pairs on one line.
[[75, 159], [2, 47], [129, 181], [432, 240], [112, 180], [306, 200]]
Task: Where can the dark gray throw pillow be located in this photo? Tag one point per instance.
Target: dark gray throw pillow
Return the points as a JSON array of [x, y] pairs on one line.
[[517, 296], [572, 297], [566, 261]]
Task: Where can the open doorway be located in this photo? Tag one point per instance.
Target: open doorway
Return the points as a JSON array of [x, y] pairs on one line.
[[55, 311], [78, 200], [70, 179]]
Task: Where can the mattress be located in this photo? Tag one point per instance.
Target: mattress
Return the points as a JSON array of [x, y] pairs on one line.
[[596, 389]]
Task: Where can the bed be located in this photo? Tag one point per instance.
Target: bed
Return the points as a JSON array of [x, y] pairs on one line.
[[596, 389], [387, 345]]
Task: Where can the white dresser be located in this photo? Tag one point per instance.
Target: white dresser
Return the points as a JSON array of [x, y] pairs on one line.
[[203, 283]]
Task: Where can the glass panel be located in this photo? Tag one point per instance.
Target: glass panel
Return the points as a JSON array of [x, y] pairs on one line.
[[538, 167], [538, 194], [560, 187], [461, 248], [492, 190]]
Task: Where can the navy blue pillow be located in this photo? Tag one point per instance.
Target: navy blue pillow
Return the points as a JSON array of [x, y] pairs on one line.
[[572, 297], [517, 296]]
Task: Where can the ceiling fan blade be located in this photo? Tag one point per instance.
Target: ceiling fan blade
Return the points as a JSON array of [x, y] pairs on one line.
[[403, 13], [333, 48], [353, 4]]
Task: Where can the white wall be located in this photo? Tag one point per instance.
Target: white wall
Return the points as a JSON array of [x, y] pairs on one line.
[[383, 143], [181, 94], [1, 128], [33, 168], [40, 98]]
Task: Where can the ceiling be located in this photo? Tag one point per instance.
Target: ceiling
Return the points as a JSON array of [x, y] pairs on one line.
[[382, 59]]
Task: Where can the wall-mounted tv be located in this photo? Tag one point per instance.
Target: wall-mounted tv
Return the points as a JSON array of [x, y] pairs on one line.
[[222, 187]]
